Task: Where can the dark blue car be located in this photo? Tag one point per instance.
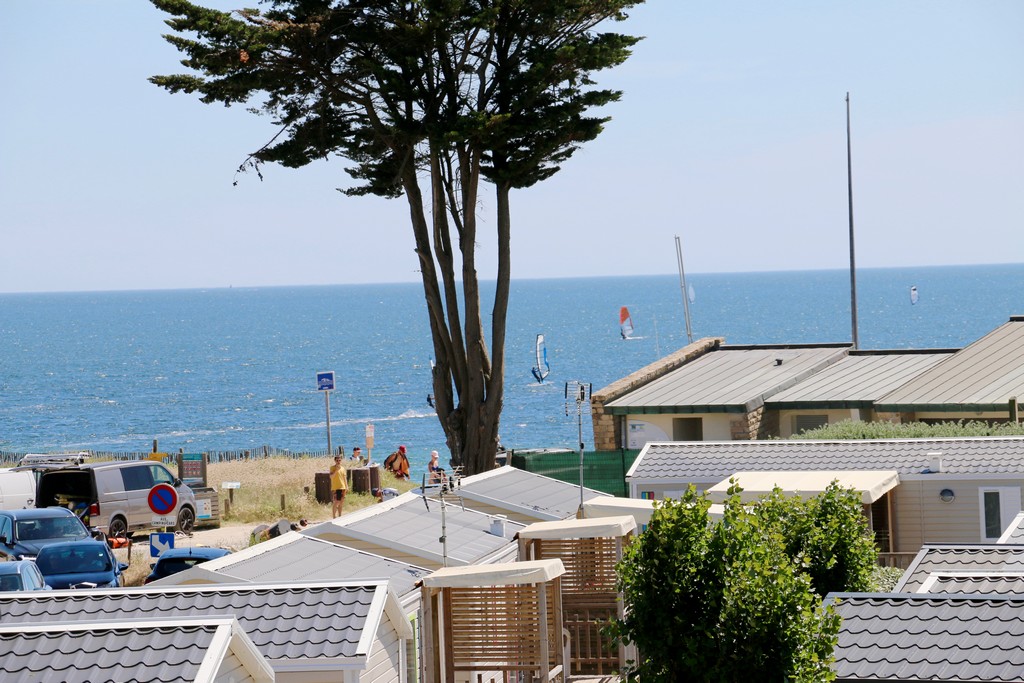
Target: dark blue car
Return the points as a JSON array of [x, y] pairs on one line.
[[24, 532], [179, 559], [85, 564]]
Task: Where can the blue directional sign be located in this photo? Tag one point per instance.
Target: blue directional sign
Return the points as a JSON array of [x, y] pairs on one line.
[[325, 381], [158, 543]]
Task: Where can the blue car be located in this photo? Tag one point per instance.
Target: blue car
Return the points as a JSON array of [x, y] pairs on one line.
[[24, 532], [83, 564], [179, 559], [21, 575]]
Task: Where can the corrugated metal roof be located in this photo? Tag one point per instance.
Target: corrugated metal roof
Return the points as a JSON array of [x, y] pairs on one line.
[[979, 558], [405, 525], [716, 460], [540, 497], [981, 376], [730, 378], [294, 557], [96, 652], [856, 381], [284, 621], [885, 637], [974, 584]]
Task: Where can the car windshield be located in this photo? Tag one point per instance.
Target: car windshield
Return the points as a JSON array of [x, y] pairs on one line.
[[10, 582], [57, 527], [73, 560]]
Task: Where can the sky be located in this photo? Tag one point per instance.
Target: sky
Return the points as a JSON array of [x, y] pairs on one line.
[[731, 134]]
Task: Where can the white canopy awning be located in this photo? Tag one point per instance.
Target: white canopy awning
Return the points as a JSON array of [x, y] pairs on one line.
[[503, 574], [601, 527], [639, 509], [870, 484]]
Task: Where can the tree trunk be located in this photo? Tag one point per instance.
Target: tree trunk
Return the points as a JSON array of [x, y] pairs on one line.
[[468, 404]]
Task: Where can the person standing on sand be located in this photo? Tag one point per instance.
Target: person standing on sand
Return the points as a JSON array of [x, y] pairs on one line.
[[339, 486], [357, 455]]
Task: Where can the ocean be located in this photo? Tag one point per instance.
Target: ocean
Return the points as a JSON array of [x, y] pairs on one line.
[[228, 369]]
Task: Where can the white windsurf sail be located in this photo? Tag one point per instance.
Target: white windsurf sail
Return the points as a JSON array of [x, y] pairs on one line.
[[541, 369]]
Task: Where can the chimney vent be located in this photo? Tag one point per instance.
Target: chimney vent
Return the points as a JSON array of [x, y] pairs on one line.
[[498, 525], [935, 464]]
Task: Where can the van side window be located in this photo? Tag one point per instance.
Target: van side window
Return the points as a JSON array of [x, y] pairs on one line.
[[136, 478], [5, 527], [161, 475]]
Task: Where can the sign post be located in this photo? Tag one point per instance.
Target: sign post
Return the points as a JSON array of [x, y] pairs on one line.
[[325, 383], [369, 444]]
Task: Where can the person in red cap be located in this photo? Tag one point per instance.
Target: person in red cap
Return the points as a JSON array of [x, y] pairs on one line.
[[398, 463]]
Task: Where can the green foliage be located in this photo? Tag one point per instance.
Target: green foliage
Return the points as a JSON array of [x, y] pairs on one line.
[[857, 430], [884, 579], [722, 602], [828, 535]]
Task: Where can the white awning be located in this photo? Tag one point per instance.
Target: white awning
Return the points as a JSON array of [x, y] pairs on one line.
[[870, 484], [503, 574], [639, 509], [602, 527]]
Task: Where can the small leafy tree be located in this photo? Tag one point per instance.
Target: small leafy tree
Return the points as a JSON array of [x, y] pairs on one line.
[[425, 99], [721, 602], [827, 535]]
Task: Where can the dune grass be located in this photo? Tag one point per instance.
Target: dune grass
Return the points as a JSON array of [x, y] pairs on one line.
[[258, 500]]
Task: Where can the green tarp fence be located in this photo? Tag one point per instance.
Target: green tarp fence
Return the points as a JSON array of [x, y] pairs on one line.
[[602, 470]]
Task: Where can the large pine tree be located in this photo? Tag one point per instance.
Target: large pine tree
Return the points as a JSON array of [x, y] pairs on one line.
[[424, 98]]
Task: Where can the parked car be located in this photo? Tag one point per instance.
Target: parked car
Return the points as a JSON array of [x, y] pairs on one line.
[[17, 489], [179, 559], [114, 496], [21, 575], [86, 564], [23, 533]]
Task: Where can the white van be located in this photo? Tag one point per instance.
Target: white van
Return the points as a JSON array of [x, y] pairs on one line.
[[17, 489], [114, 496]]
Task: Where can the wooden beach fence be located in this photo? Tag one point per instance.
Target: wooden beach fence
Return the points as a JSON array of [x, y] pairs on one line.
[[494, 623], [589, 549]]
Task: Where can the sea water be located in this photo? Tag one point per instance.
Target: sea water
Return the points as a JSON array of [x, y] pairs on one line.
[[225, 369]]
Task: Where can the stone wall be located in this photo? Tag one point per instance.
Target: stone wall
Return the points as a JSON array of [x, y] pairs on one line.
[[607, 429]]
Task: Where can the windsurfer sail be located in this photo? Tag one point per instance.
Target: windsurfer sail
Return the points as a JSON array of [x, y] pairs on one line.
[[913, 295], [625, 323], [541, 370]]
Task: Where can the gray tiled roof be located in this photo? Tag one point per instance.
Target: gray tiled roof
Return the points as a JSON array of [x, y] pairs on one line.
[[1015, 531], [716, 460], [531, 494], [731, 378], [960, 558], [974, 584], [284, 621], [294, 557], [981, 376], [405, 525], [856, 381], [887, 637], [93, 653]]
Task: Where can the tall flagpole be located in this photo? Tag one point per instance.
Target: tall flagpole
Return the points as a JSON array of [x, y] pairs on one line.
[[853, 261]]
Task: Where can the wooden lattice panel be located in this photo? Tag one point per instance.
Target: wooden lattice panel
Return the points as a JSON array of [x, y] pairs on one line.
[[589, 598], [498, 628], [589, 563]]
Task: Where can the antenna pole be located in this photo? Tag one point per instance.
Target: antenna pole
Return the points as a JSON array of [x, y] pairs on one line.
[[853, 262], [682, 289], [581, 394]]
